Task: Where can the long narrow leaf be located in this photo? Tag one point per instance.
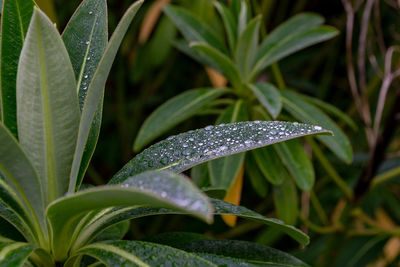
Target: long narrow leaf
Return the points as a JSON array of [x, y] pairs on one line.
[[269, 97], [229, 24], [181, 152], [14, 25], [269, 164], [14, 253], [96, 91], [156, 189], [286, 203], [48, 110], [173, 112]]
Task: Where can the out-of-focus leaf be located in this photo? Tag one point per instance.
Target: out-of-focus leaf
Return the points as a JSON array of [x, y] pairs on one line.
[[242, 14], [15, 18], [233, 196], [155, 188], [223, 62], [297, 162], [257, 180], [183, 151], [246, 48], [14, 253], [306, 112], [174, 111], [199, 175], [229, 23], [184, 47], [8, 231], [137, 253], [115, 232], [192, 28], [47, 105], [286, 203], [150, 20], [269, 97], [269, 164]]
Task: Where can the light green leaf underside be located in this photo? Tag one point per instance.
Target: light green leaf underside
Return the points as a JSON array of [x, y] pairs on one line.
[[20, 174], [15, 20], [174, 111], [306, 112], [14, 253], [157, 189], [96, 91], [136, 253], [269, 97], [183, 151], [48, 111]]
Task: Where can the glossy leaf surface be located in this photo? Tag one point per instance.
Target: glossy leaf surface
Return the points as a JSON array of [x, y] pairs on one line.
[[136, 253], [48, 110], [269, 97], [174, 111], [306, 112], [14, 253], [14, 25], [96, 91], [183, 151]]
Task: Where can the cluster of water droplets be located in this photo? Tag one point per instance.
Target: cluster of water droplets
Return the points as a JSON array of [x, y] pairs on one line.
[[171, 187], [183, 151]]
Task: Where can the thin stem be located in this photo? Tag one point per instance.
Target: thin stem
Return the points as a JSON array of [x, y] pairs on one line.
[[318, 208], [319, 229], [383, 177]]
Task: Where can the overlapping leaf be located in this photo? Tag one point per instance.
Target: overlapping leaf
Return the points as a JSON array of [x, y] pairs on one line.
[[14, 253]]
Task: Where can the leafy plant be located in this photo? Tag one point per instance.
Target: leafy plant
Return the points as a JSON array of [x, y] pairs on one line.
[[52, 92], [241, 58]]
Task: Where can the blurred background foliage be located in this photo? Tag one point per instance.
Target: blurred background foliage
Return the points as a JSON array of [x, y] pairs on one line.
[[345, 231]]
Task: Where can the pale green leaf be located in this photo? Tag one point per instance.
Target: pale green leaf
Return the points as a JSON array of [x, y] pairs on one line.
[[96, 91], [269, 97], [14, 254], [181, 152], [48, 110], [174, 111], [14, 25]]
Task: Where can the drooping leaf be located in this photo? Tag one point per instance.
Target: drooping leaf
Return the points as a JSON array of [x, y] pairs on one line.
[[174, 111], [297, 162], [269, 164], [192, 28], [20, 174], [286, 203], [295, 34], [269, 97], [96, 91], [247, 252], [14, 253], [137, 253], [246, 48], [306, 112], [224, 170], [155, 188], [181, 152], [217, 58], [14, 25], [48, 110], [229, 24]]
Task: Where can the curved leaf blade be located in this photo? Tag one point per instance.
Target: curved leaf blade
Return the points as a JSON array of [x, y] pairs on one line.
[[96, 92], [155, 188], [269, 164], [137, 253], [229, 23], [269, 97], [286, 203], [20, 173], [14, 253], [181, 152], [174, 111], [14, 25], [48, 110], [306, 112]]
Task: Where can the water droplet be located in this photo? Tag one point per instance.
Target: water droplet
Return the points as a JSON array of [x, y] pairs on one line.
[[318, 128], [87, 42], [86, 76], [90, 12], [88, 58]]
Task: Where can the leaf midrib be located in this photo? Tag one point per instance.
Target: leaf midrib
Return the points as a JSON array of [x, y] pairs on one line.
[[20, 21]]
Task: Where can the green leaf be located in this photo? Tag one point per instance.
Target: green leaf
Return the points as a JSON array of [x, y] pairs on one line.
[[295, 34], [184, 47], [16, 15], [229, 23], [174, 111], [252, 253], [48, 110], [7, 230], [269, 164], [269, 97], [246, 48], [137, 253], [223, 171], [297, 162], [226, 261], [192, 28], [183, 151], [306, 112], [20, 174], [14, 253], [156, 189], [115, 232], [257, 180], [223, 62], [96, 91], [85, 38], [243, 15], [285, 198]]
